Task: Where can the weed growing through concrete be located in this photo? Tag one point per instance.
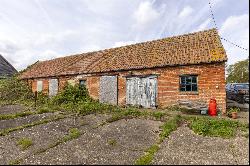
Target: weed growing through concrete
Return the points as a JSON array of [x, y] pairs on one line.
[[112, 142], [147, 158], [24, 143], [16, 115], [15, 162], [167, 128], [9, 130], [73, 134], [215, 127]]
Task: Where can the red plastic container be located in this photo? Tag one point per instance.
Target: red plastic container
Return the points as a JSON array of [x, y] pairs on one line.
[[212, 110]]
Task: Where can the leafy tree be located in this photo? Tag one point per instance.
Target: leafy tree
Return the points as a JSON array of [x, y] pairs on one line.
[[238, 72]]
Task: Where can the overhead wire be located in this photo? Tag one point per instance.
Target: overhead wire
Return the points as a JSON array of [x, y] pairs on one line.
[[216, 27]]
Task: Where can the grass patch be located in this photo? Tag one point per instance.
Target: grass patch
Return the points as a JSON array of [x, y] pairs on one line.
[[147, 158], [24, 143], [43, 110], [158, 115], [215, 127], [73, 134], [17, 115], [169, 126], [134, 113]]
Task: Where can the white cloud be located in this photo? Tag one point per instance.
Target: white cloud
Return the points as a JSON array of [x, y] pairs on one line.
[[39, 30], [203, 25], [236, 30], [123, 43], [146, 13], [186, 11], [233, 23]]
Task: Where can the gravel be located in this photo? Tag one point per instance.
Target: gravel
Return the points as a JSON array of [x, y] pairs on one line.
[[184, 147]]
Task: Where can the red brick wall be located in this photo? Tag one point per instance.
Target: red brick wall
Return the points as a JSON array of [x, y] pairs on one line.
[[45, 86], [33, 84], [93, 86], [209, 76]]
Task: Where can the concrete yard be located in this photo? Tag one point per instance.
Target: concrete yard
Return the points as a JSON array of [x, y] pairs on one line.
[[118, 142]]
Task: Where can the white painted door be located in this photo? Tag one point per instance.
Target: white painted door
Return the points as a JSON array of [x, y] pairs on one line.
[[141, 91]]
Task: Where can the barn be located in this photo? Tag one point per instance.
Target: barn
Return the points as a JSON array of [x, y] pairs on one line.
[[158, 73], [6, 69]]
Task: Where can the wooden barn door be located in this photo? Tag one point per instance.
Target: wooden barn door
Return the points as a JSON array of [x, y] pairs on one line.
[[108, 89], [53, 87], [141, 91]]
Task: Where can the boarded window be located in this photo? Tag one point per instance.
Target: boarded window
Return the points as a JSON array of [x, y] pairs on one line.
[[39, 86], [53, 87], [188, 83], [108, 89]]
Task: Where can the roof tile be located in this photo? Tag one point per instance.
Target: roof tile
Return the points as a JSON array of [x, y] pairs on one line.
[[193, 48]]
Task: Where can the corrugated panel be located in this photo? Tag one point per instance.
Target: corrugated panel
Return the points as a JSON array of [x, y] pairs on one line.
[[108, 89], [53, 87], [141, 91]]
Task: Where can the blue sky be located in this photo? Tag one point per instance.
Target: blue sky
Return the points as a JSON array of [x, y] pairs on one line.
[[32, 30]]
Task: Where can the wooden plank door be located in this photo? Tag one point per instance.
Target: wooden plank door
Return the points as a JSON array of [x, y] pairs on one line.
[[108, 89], [53, 87], [141, 91]]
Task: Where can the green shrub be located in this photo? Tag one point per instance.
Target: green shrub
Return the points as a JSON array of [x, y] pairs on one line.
[[71, 94], [42, 99], [12, 89], [24, 143]]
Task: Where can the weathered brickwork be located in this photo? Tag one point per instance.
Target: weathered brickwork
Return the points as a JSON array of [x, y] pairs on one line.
[[93, 84], [211, 83]]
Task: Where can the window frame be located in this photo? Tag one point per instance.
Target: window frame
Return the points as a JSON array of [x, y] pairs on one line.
[[85, 81], [188, 75]]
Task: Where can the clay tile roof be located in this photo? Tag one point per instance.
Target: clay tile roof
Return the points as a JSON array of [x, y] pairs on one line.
[[193, 48]]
